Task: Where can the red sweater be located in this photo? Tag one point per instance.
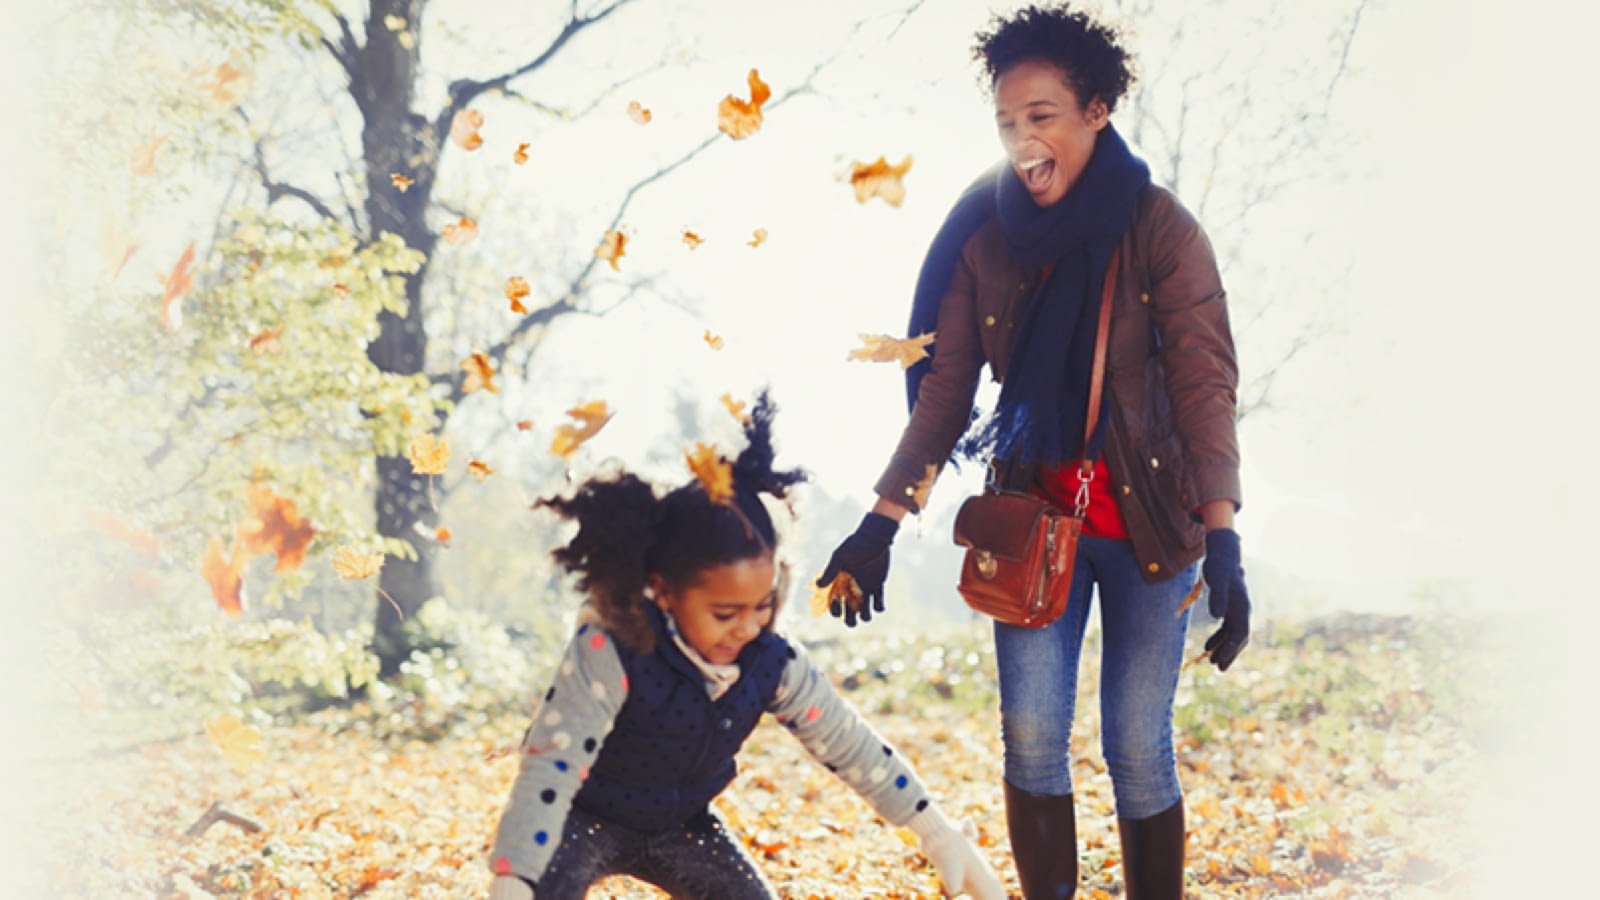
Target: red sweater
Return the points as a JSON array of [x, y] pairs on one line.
[[1102, 519]]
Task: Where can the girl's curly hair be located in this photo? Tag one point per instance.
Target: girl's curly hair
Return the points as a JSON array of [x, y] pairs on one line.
[[1090, 52], [626, 533]]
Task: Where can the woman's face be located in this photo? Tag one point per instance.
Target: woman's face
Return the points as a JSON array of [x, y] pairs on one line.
[[725, 608], [1046, 132]]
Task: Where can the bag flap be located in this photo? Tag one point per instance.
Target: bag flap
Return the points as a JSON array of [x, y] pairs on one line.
[[1003, 524]]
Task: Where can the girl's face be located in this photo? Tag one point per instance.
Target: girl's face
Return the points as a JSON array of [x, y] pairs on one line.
[[725, 608], [1048, 135]]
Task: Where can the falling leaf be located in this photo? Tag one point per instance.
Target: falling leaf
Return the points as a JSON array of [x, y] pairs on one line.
[[691, 239], [266, 341], [354, 565], [461, 232], [142, 159], [714, 341], [879, 179], [882, 348], [516, 289], [143, 542], [738, 118], [464, 129], [225, 576], [342, 289], [714, 473], [758, 237], [843, 588], [240, 743], [443, 536], [429, 457], [612, 248], [591, 417], [735, 408], [116, 247], [224, 86], [179, 281], [521, 154], [480, 374], [400, 181], [275, 526], [1188, 601], [394, 23], [524, 425], [919, 495], [638, 113], [479, 469]]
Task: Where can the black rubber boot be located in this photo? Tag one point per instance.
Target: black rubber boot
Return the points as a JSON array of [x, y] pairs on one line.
[[1044, 844], [1152, 855]]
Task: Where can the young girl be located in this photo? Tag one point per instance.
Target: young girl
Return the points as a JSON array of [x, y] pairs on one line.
[[672, 665]]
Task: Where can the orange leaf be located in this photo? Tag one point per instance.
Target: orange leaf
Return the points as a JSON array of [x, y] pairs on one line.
[[400, 181], [714, 473], [443, 536], [691, 239], [521, 156], [142, 159], [612, 248], [480, 374], [591, 417], [341, 289], [638, 113], [516, 289], [461, 232], [714, 341], [735, 408], [464, 129], [275, 526], [176, 284], [738, 118], [479, 469], [429, 457], [758, 237], [879, 179], [353, 565], [240, 743], [266, 341], [524, 425], [1190, 598], [882, 348], [225, 576]]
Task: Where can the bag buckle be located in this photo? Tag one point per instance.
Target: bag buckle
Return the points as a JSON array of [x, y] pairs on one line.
[[986, 564], [1080, 501]]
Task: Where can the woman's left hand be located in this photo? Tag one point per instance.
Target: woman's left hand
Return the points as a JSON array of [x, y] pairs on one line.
[[1224, 575]]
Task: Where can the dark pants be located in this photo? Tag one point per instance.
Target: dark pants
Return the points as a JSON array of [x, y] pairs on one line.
[[699, 860]]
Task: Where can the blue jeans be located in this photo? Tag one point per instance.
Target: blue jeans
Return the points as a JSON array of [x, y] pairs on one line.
[[1141, 654]]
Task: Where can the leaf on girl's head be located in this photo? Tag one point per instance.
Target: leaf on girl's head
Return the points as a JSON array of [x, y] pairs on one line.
[[429, 457], [591, 417], [758, 237], [516, 289], [479, 469], [225, 576], [480, 374], [524, 425], [638, 113], [735, 408], [738, 118], [275, 526], [691, 239], [521, 154], [461, 232], [354, 565], [879, 179], [882, 348], [179, 281], [400, 181], [714, 473], [919, 495], [714, 341], [612, 248], [240, 743], [142, 159], [266, 341], [464, 129]]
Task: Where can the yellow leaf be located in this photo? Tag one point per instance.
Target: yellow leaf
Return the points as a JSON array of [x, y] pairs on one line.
[[479, 469], [516, 289], [713, 341], [879, 179], [735, 408], [612, 247], [480, 374], [1188, 601], [925, 486], [521, 154], [591, 417], [401, 181], [240, 743], [638, 113], [691, 239], [843, 588], [758, 237], [882, 348], [429, 457], [714, 473], [353, 565]]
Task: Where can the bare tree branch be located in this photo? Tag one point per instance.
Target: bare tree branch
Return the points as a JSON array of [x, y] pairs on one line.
[[1344, 56], [277, 190]]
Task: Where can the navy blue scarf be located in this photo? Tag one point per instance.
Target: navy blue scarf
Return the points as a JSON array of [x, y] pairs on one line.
[[1044, 400]]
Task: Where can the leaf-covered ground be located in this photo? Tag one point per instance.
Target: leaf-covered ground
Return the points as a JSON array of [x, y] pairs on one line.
[[1333, 761]]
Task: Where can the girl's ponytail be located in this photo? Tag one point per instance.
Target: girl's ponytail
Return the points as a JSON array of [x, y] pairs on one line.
[[617, 520]]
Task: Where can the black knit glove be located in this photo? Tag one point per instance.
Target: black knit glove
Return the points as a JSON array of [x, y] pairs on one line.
[[865, 555], [1229, 601]]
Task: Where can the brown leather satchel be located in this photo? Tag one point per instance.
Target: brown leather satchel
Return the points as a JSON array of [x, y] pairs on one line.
[[1021, 548]]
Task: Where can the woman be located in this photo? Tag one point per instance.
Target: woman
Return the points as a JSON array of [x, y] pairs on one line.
[[1013, 281]]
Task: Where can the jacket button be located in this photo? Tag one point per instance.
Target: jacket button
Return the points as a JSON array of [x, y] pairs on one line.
[[725, 724], [1144, 296], [989, 321], [1154, 567], [1155, 463], [1126, 490], [911, 490]]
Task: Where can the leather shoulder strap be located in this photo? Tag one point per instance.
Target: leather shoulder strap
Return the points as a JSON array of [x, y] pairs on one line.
[[1097, 376]]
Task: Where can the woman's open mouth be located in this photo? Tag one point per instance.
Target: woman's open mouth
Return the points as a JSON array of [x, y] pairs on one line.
[[1036, 174]]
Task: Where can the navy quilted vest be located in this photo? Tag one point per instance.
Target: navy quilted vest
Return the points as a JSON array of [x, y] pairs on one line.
[[672, 748]]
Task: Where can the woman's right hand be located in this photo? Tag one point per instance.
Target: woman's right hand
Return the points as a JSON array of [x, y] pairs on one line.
[[864, 555], [509, 887]]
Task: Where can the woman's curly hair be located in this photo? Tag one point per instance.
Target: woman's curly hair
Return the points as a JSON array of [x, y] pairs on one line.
[[1090, 52], [626, 533]]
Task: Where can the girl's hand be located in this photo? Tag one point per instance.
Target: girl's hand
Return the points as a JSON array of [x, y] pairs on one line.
[[509, 887], [962, 869]]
